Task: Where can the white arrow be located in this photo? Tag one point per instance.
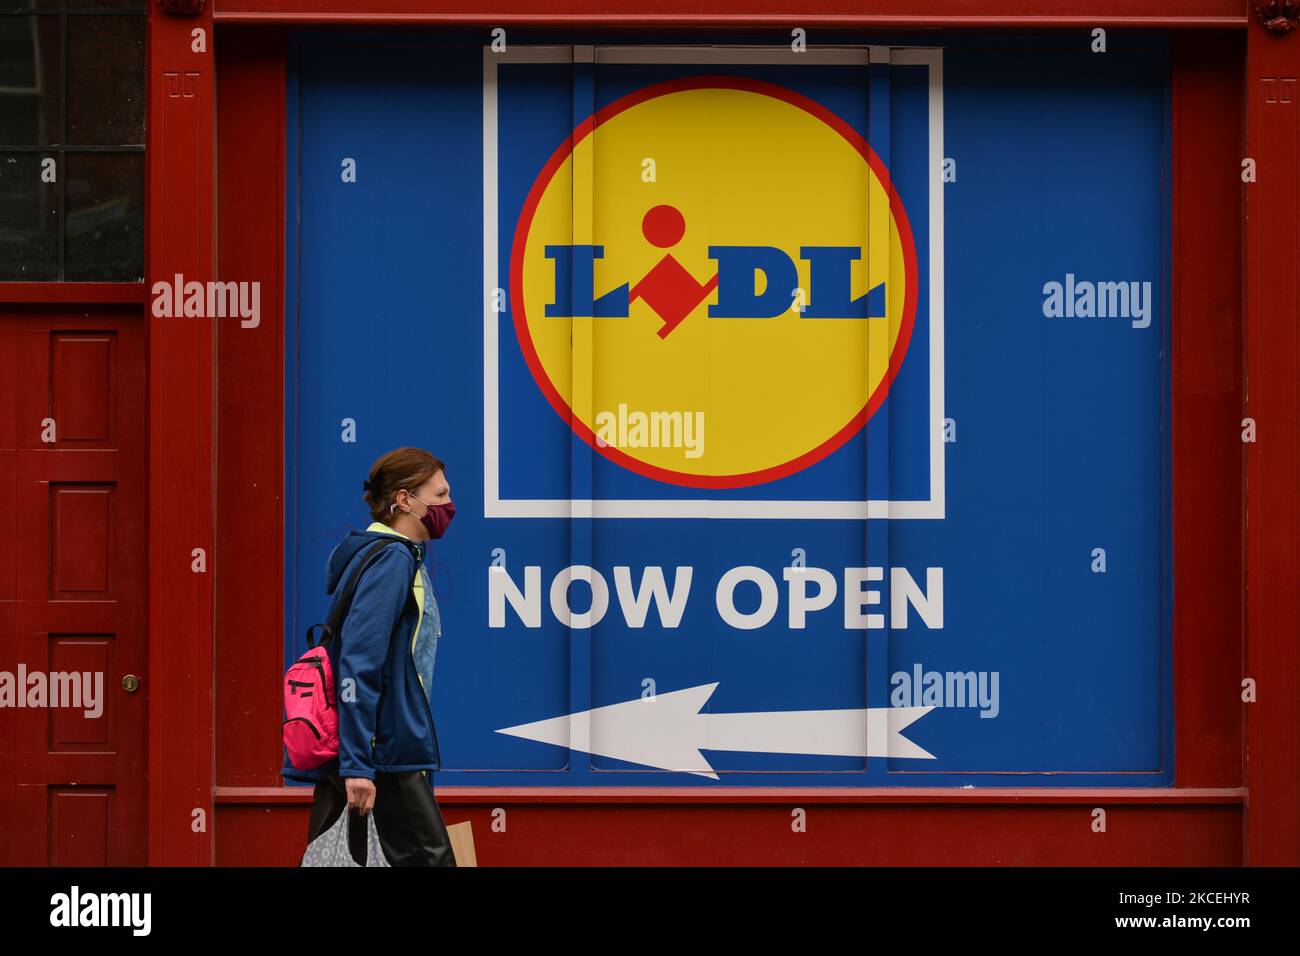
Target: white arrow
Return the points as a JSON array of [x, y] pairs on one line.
[[668, 731]]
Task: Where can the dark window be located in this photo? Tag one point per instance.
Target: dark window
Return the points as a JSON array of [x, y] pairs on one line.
[[72, 88]]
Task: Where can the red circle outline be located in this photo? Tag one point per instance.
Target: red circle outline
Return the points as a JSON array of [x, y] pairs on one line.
[[543, 378]]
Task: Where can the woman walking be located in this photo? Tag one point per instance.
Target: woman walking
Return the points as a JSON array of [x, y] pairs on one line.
[[383, 666]]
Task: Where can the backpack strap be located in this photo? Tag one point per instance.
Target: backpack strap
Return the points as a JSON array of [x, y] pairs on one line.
[[340, 609]]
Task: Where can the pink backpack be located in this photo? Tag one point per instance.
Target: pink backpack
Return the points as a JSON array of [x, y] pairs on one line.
[[311, 726]]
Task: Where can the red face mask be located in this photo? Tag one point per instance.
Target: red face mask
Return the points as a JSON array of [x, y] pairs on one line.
[[436, 517]]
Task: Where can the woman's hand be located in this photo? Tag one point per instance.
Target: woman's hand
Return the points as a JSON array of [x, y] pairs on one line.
[[361, 794]]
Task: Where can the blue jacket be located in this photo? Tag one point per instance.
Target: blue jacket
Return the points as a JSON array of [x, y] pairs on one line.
[[390, 706]]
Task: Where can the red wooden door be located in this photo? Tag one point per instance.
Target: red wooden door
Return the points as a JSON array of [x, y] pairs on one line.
[[72, 586]]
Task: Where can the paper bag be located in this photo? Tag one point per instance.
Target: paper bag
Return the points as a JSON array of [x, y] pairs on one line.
[[462, 843]]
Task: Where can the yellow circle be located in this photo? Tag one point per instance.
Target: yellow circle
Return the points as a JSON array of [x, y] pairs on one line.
[[744, 168]]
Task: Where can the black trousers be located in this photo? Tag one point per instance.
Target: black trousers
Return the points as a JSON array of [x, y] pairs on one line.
[[410, 825]]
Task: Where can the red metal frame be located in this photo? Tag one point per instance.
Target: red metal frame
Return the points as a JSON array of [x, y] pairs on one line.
[[249, 603], [1237, 785], [181, 203], [102, 293], [1271, 747], [825, 14], [1199, 820], [1207, 499]]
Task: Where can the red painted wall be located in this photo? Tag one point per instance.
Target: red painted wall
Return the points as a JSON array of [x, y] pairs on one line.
[[249, 598], [180, 225], [1271, 749], [210, 461], [1207, 375], [1200, 821], [992, 14]]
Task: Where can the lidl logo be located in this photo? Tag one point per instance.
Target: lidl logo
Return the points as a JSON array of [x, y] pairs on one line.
[[720, 257]]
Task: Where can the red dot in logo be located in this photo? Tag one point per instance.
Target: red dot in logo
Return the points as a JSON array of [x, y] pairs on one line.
[[663, 226]]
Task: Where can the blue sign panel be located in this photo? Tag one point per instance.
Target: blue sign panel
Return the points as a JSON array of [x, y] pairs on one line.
[[805, 409]]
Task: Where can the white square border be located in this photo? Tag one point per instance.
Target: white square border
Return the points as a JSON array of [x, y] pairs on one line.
[[496, 507]]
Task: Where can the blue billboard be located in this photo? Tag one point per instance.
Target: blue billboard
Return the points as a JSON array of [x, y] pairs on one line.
[[805, 408]]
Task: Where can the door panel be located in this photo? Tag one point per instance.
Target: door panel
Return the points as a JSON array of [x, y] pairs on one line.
[[72, 586]]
